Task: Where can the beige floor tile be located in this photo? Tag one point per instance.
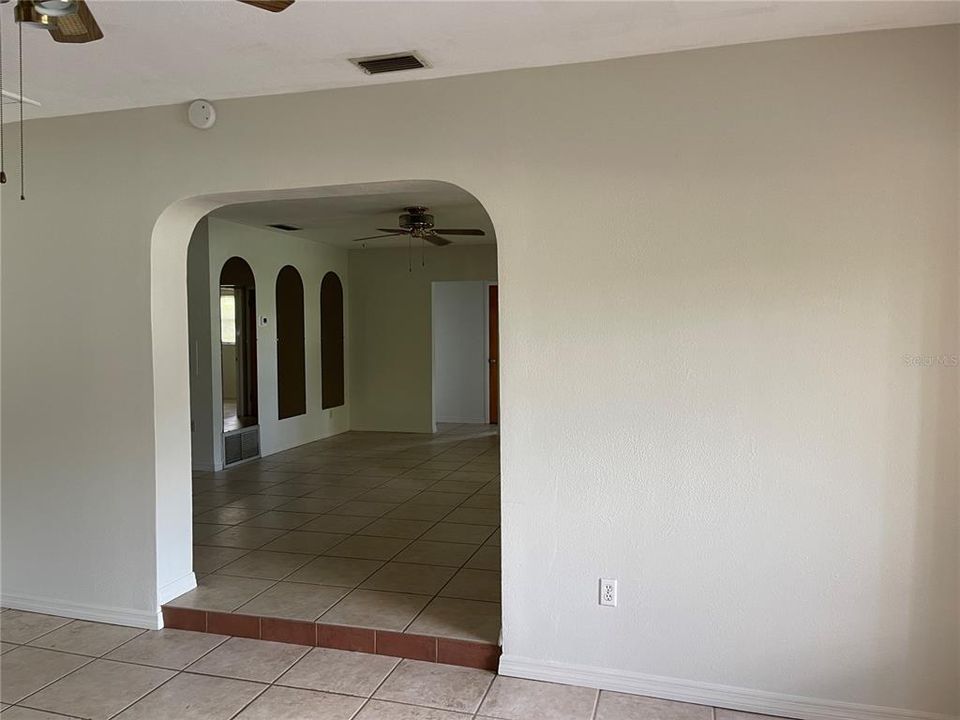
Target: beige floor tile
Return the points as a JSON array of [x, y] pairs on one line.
[[207, 558], [382, 710], [428, 552], [423, 473], [486, 558], [408, 484], [446, 499], [514, 699], [226, 515], [336, 492], [289, 489], [243, 659], [336, 571], [258, 502], [374, 609], [339, 671], [87, 638], [221, 592], [470, 584], [620, 706], [317, 506], [243, 537], [295, 601], [368, 548], [343, 524], [460, 619], [472, 475], [360, 481], [202, 531], [407, 578], [360, 508], [459, 533], [167, 648], [194, 697], [99, 690], [280, 520], [265, 564], [299, 541], [486, 502], [442, 465], [721, 714], [415, 511], [22, 713], [26, 670], [397, 528], [283, 703], [18, 626], [445, 687], [474, 516], [392, 495], [467, 487]]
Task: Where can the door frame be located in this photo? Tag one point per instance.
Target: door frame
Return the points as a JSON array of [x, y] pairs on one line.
[[487, 284]]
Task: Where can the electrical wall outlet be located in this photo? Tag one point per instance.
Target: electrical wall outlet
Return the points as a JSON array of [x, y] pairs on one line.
[[608, 592]]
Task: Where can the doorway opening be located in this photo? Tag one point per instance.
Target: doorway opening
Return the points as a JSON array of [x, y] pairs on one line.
[[466, 387], [364, 517], [238, 345]]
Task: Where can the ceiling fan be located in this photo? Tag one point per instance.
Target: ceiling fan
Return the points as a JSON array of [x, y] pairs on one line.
[[417, 222], [70, 21]]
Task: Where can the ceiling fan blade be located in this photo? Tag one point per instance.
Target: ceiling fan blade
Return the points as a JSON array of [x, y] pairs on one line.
[[80, 27], [376, 237], [459, 231], [269, 5], [435, 239]]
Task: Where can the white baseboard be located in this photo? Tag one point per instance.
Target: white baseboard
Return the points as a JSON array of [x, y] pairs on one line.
[[725, 696], [177, 588], [96, 613]]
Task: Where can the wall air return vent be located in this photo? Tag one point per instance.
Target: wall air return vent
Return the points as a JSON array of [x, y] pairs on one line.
[[241, 445], [284, 227], [389, 63]]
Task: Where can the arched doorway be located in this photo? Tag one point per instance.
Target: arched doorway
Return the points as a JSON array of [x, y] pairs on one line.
[[330, 294], [238, 344]]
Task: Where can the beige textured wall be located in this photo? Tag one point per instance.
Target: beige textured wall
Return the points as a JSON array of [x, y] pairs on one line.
[[390, 331]]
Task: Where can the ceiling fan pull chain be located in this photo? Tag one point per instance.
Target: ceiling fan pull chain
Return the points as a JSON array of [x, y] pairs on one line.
[[423, 252], [3, 172], [20, 53]]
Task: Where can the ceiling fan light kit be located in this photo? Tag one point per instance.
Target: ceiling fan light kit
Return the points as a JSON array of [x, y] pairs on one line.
[[56, 8]]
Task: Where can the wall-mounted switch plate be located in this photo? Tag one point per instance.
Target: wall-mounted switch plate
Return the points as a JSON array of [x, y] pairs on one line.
[[608, 592]]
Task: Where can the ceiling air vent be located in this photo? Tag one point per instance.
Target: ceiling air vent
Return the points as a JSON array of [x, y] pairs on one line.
[[284, 227], [389, 63]]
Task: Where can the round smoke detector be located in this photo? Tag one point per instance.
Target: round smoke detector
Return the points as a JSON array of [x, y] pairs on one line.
[[202, 114]]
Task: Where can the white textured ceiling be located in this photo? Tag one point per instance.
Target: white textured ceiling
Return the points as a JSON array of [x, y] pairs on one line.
[[160, 52], [337, 220]]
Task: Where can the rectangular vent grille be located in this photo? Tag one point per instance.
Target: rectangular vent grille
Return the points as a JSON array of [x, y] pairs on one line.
[[232, 449], [284, 227], [389, 63], [240, 446]]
